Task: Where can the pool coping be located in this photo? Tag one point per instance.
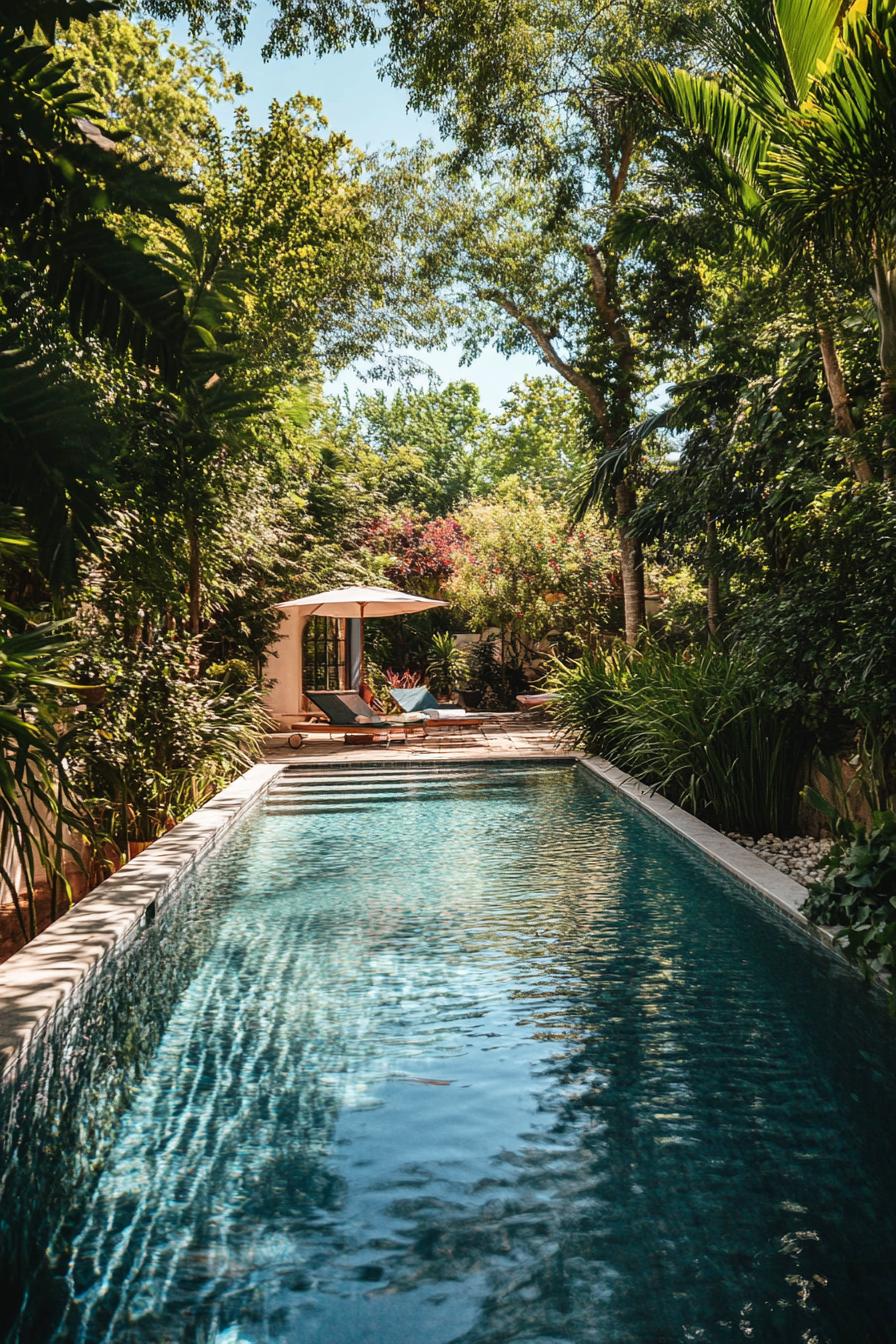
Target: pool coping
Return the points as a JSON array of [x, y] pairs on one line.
[[776, 888], [40, 979]]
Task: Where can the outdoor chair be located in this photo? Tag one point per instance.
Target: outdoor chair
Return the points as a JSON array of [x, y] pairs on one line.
[[420, 698], [348, 714], [536, 699]]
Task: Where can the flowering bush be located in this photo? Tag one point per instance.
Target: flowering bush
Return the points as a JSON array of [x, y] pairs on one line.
[[421, 553], [525, 571]]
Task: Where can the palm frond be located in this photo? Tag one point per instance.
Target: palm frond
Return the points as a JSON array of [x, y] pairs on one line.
[[113, 290], [833, 177], [597, 480], [702, 108], [596, 483], [807, 31], [51, 465], [58, 181]]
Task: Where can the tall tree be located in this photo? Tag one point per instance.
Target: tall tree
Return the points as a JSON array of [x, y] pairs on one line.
[[157, 94], [517, 268], [798, 124], [429, 441], [522, 218], [537, 436]]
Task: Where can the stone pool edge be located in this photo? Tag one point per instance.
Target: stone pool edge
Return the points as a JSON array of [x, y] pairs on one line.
[[40, 979], [776, 888]]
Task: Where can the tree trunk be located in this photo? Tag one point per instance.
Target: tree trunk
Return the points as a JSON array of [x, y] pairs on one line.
[[612, 421], [883, 296], [194, 589], [888, 411], [840, 404], [712, 577], [632, 565]]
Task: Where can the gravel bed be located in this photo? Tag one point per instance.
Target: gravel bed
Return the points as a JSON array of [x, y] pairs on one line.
[[800, 857]]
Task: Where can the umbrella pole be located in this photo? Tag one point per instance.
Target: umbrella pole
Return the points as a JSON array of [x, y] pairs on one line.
[[361, 646]]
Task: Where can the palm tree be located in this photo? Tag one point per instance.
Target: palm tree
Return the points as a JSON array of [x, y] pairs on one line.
[[63, 182], [782, 62], [833, 178]]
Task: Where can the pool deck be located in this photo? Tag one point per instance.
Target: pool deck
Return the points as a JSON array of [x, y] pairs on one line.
[[506, 736]]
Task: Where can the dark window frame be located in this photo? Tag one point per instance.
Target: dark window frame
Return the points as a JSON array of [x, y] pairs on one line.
[[324, 654]]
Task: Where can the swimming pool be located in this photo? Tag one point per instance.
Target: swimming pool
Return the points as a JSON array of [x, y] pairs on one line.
[[463, 1054]]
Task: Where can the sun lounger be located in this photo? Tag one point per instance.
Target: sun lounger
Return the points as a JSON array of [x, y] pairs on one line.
[[347, 713], [420, 698], [536, 699]]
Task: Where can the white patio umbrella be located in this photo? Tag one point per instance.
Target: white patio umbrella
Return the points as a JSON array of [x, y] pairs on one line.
[[358, 602]]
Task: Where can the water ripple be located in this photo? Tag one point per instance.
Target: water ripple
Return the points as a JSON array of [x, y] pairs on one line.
[[498, 1063]]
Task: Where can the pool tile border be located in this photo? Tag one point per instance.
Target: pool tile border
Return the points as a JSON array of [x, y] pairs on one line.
[[38, 981], [779, 890]]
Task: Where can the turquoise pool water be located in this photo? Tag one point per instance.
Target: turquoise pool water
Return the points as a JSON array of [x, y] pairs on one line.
[[479, 1056]]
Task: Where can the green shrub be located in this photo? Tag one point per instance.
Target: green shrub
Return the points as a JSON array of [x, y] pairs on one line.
[[856, 895], [692, 725], [162, 740], [826, 629], [235, 673]]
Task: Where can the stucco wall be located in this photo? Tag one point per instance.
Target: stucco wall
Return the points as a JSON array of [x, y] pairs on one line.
[[283, 668]]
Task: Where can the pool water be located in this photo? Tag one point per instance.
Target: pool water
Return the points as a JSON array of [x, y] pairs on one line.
[[482, 1055]]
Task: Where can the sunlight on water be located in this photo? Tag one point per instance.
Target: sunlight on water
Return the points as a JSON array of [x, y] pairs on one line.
[[482, 1056]]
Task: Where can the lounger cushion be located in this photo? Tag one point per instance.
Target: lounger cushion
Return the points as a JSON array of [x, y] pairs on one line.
[[414, 697]]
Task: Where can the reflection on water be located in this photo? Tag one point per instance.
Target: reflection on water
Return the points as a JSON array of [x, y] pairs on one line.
[[496, 1064]]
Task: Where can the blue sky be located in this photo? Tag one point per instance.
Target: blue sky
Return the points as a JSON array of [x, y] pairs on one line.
[[373, 113]]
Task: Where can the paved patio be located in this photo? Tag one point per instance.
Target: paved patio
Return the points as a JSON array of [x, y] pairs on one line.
[[505, 736]]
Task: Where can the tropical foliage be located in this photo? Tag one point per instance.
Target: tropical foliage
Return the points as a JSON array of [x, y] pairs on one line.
[[685, 213], [856, 895], [447, 667], [160, 741], [696, 727], [38, 807], [527, 573]]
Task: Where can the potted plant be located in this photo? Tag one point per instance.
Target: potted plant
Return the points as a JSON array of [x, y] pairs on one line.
[[447, 666], [482, 662]]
